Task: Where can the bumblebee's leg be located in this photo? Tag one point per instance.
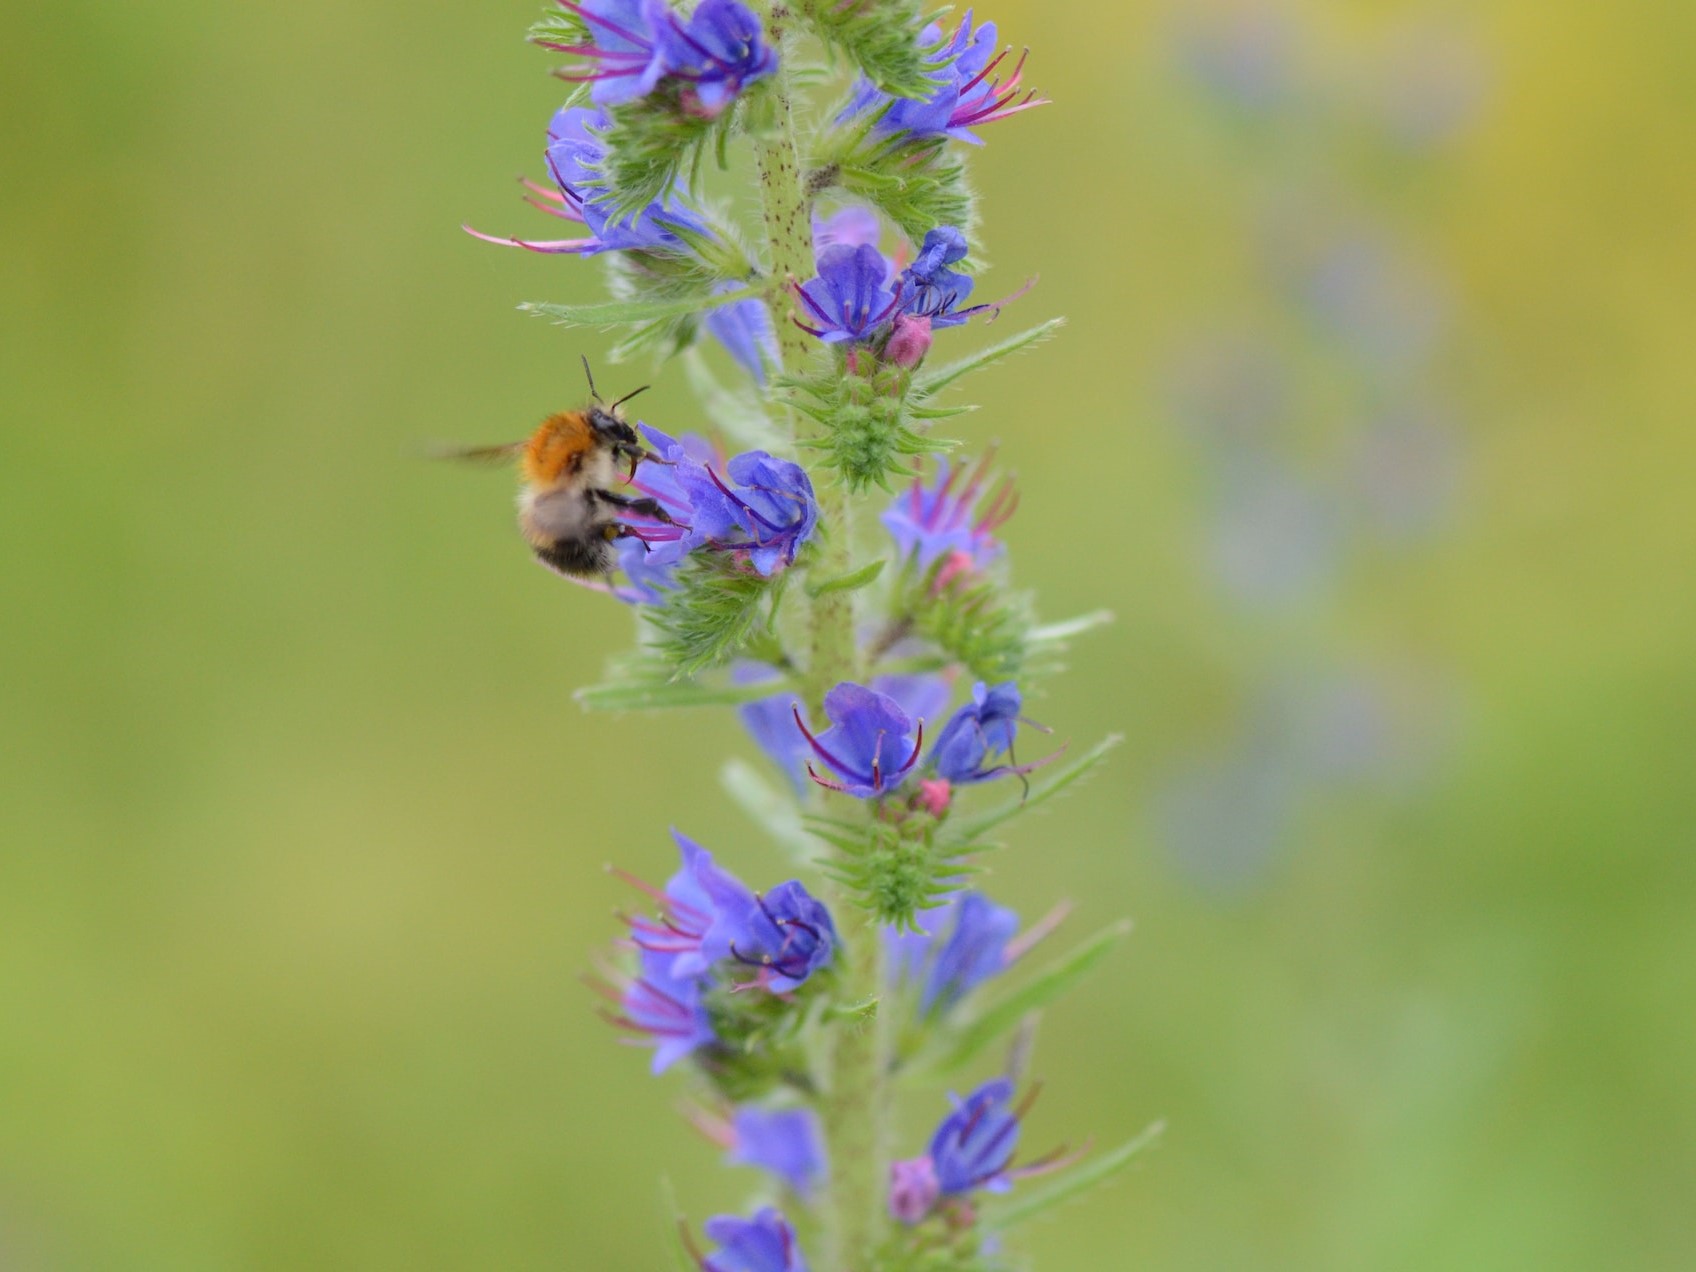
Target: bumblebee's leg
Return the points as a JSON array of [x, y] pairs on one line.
[[628, 532], [643, 507], [638, 455]]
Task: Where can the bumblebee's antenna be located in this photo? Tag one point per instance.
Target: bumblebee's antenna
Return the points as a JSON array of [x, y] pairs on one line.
[[633, 392], [591, 375]]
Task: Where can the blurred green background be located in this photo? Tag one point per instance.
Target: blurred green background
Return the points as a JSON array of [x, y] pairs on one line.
[[302, 832]]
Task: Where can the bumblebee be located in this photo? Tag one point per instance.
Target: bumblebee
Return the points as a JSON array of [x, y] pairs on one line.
[[568, 509]]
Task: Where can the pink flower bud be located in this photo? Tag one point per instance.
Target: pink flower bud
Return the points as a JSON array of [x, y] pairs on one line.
[[912, 1190], [909, 342], [957, 564], [935, 794]]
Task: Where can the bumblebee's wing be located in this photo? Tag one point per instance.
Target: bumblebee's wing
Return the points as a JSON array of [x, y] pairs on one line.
[[491, 455]]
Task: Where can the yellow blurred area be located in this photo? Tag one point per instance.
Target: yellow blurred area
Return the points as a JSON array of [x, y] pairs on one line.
[[301, 834]]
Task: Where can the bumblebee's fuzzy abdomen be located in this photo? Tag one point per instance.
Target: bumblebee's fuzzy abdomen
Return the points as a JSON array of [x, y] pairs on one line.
[[578, 556]]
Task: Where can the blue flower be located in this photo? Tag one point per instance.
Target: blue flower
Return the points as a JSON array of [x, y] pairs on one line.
[[785, 1142], [744, 329], [715, 55], [638, 46], [966, 93], [849, 226], [707, 917], [574, 156], [787, 934], [983, 728], [768, 514], [667, 1008], [765, 1243], [621, 49], [691, 905], [943, 519], [973, 1147], [851, 299], [650, 556], [867, 745], [975, 949], [771, 721], [929, 289]]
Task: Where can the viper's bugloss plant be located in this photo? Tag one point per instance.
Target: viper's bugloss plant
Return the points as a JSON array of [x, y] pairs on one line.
[[879, 657]]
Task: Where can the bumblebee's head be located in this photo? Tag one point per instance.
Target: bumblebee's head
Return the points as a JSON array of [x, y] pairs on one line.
[[611, 426]]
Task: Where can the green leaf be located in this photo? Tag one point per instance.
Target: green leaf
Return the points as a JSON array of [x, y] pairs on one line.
[[1047, 645], [972, 828], [613, 313], [1076, 1181], [1055, 633], [772, 809], [876, 39], [681, 1259], [1007, 1009], [642, 681], [941, 378], [711, 613], [848, 582]]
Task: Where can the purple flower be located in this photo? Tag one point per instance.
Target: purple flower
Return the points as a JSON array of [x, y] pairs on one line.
[[787, 934], [966, 95], [574, 159], [650, 556], [851, 299], [765, 1243], [973, 1147], [716, 54], [708, 916], [913, 1190], [785, 1142], [744, 329], [849, 226], [985, 727], [691, 912], [769, 513], [939, 520], [626, 62], [668, 1009], [771, 721], [867, 745], [638, 45], [975, 949], [929, 289]]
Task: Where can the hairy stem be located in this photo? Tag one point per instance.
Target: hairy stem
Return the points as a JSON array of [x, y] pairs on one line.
[[786, 209], [856, 1108]]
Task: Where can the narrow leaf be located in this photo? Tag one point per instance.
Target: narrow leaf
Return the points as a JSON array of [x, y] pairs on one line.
[[1051, 633], [682, 1260], [1072, 1184], [613, 313], [944, 376], [848, 582], [1068, 775], [1004, 1012], [613, 695]]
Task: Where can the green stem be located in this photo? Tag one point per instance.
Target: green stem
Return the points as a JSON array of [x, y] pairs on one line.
[[787, 213], [856, 1108]]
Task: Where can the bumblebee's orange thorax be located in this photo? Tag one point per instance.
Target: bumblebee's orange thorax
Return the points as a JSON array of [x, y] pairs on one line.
[[556, 450]]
